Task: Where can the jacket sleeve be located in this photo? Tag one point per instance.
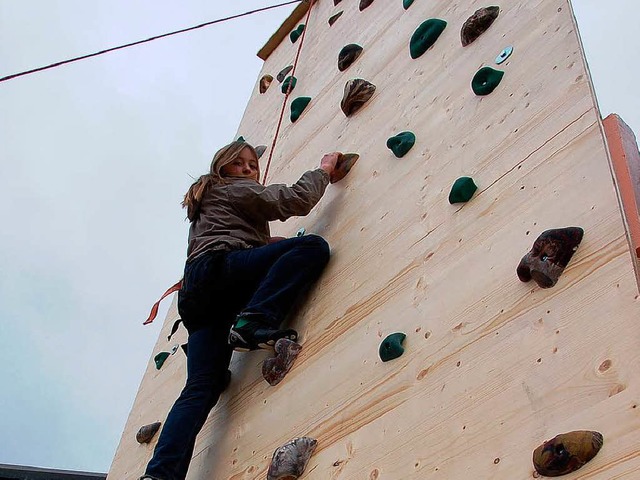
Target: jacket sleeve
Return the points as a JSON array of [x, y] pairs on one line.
[[280, 201]]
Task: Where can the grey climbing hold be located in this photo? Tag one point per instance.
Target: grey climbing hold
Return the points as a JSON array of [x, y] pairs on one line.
[[301, 232], [357, 92], [504, 54], [283, 73], [290, 460], [260, 149]]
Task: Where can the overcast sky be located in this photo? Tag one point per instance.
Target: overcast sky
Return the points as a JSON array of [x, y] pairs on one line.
[[95, 157]]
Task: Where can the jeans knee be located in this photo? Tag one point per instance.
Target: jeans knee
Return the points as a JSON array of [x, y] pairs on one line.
[[321, 247]]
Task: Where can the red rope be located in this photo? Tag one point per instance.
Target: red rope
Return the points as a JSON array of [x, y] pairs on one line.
[[154, 309], [286, 97]]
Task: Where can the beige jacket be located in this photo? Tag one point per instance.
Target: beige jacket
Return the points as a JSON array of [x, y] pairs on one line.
[[236, 215]]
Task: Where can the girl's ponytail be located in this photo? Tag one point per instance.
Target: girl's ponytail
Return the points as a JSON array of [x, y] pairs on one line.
[[193, 197]]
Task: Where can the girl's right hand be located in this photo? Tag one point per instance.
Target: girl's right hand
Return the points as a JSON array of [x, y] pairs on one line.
[[328, 162]]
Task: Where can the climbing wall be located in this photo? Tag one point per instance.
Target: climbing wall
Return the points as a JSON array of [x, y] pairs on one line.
[[492, 366]]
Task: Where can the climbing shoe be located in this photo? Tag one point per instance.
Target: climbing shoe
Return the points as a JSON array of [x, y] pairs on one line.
[[246, 336]]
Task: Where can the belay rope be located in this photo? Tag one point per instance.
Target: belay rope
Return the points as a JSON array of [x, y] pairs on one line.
[[177, 286]]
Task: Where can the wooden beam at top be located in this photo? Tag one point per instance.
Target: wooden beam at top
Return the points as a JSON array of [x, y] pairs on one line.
[[298, 13]]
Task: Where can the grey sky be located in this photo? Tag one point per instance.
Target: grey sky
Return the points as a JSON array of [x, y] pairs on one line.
[[95, 157]]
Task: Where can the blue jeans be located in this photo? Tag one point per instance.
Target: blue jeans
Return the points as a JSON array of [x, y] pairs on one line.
[[263, 282]]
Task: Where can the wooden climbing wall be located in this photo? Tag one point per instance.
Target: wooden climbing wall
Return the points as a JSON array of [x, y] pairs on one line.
[[492, 366]]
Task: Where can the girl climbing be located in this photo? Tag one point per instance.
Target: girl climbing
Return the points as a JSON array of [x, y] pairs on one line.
[[239, 283]]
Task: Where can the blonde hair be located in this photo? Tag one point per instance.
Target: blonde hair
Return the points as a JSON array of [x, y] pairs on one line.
[[227, 154]]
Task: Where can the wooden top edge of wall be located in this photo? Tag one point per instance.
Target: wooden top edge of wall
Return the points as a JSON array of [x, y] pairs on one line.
[[282, 32]]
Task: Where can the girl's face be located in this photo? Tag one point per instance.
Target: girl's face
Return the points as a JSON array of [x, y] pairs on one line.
[[244, 166]]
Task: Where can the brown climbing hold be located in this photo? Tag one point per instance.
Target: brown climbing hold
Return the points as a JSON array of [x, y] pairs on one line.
[[290, 460], [348, 55], [336, 2], [356, 93], [260, 149], [477, 24], [147, 432], [567, 452], [343, 166], [283, 73], [265, 82], [364, 4], [333, 18], [549, 256], [275, 368]]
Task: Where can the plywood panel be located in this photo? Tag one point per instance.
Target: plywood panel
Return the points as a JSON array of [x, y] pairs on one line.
[[492, 366]]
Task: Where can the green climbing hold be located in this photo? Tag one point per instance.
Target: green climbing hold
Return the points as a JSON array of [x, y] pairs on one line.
[[298, 106], [401, 143], [295, 35], [260, 149], [406, 3], [486, 80], [241, 139], [289, 81], [391, 347], [462, 190], [425, 36], [160, 358]]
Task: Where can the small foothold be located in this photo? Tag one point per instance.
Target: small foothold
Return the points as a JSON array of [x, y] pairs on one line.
[[406, 4], [283, 73], [287, 81], [295, 34], [298, 106], [425, 36], [290, 460], [504, 54], [147, 432], [343, 166], [260, 149], [364, 4], [567, 452], [335, 17], [275, 368], [550, 254], [356, 93], [486, 80], [301, 232], [348, 55], [391, 347], [160, 358], [336, 2], [174, 349], [462, 190], [265, 82], [401, 143], [477, 24]]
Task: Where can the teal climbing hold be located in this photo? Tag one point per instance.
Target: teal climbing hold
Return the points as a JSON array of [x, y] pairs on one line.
[[241, 139], [462, 190], [298, 106], [401, 143], [295, 34], [289, 81], [160, 358], [425, 36], [406, 3], [486, 80], [391, 347]]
